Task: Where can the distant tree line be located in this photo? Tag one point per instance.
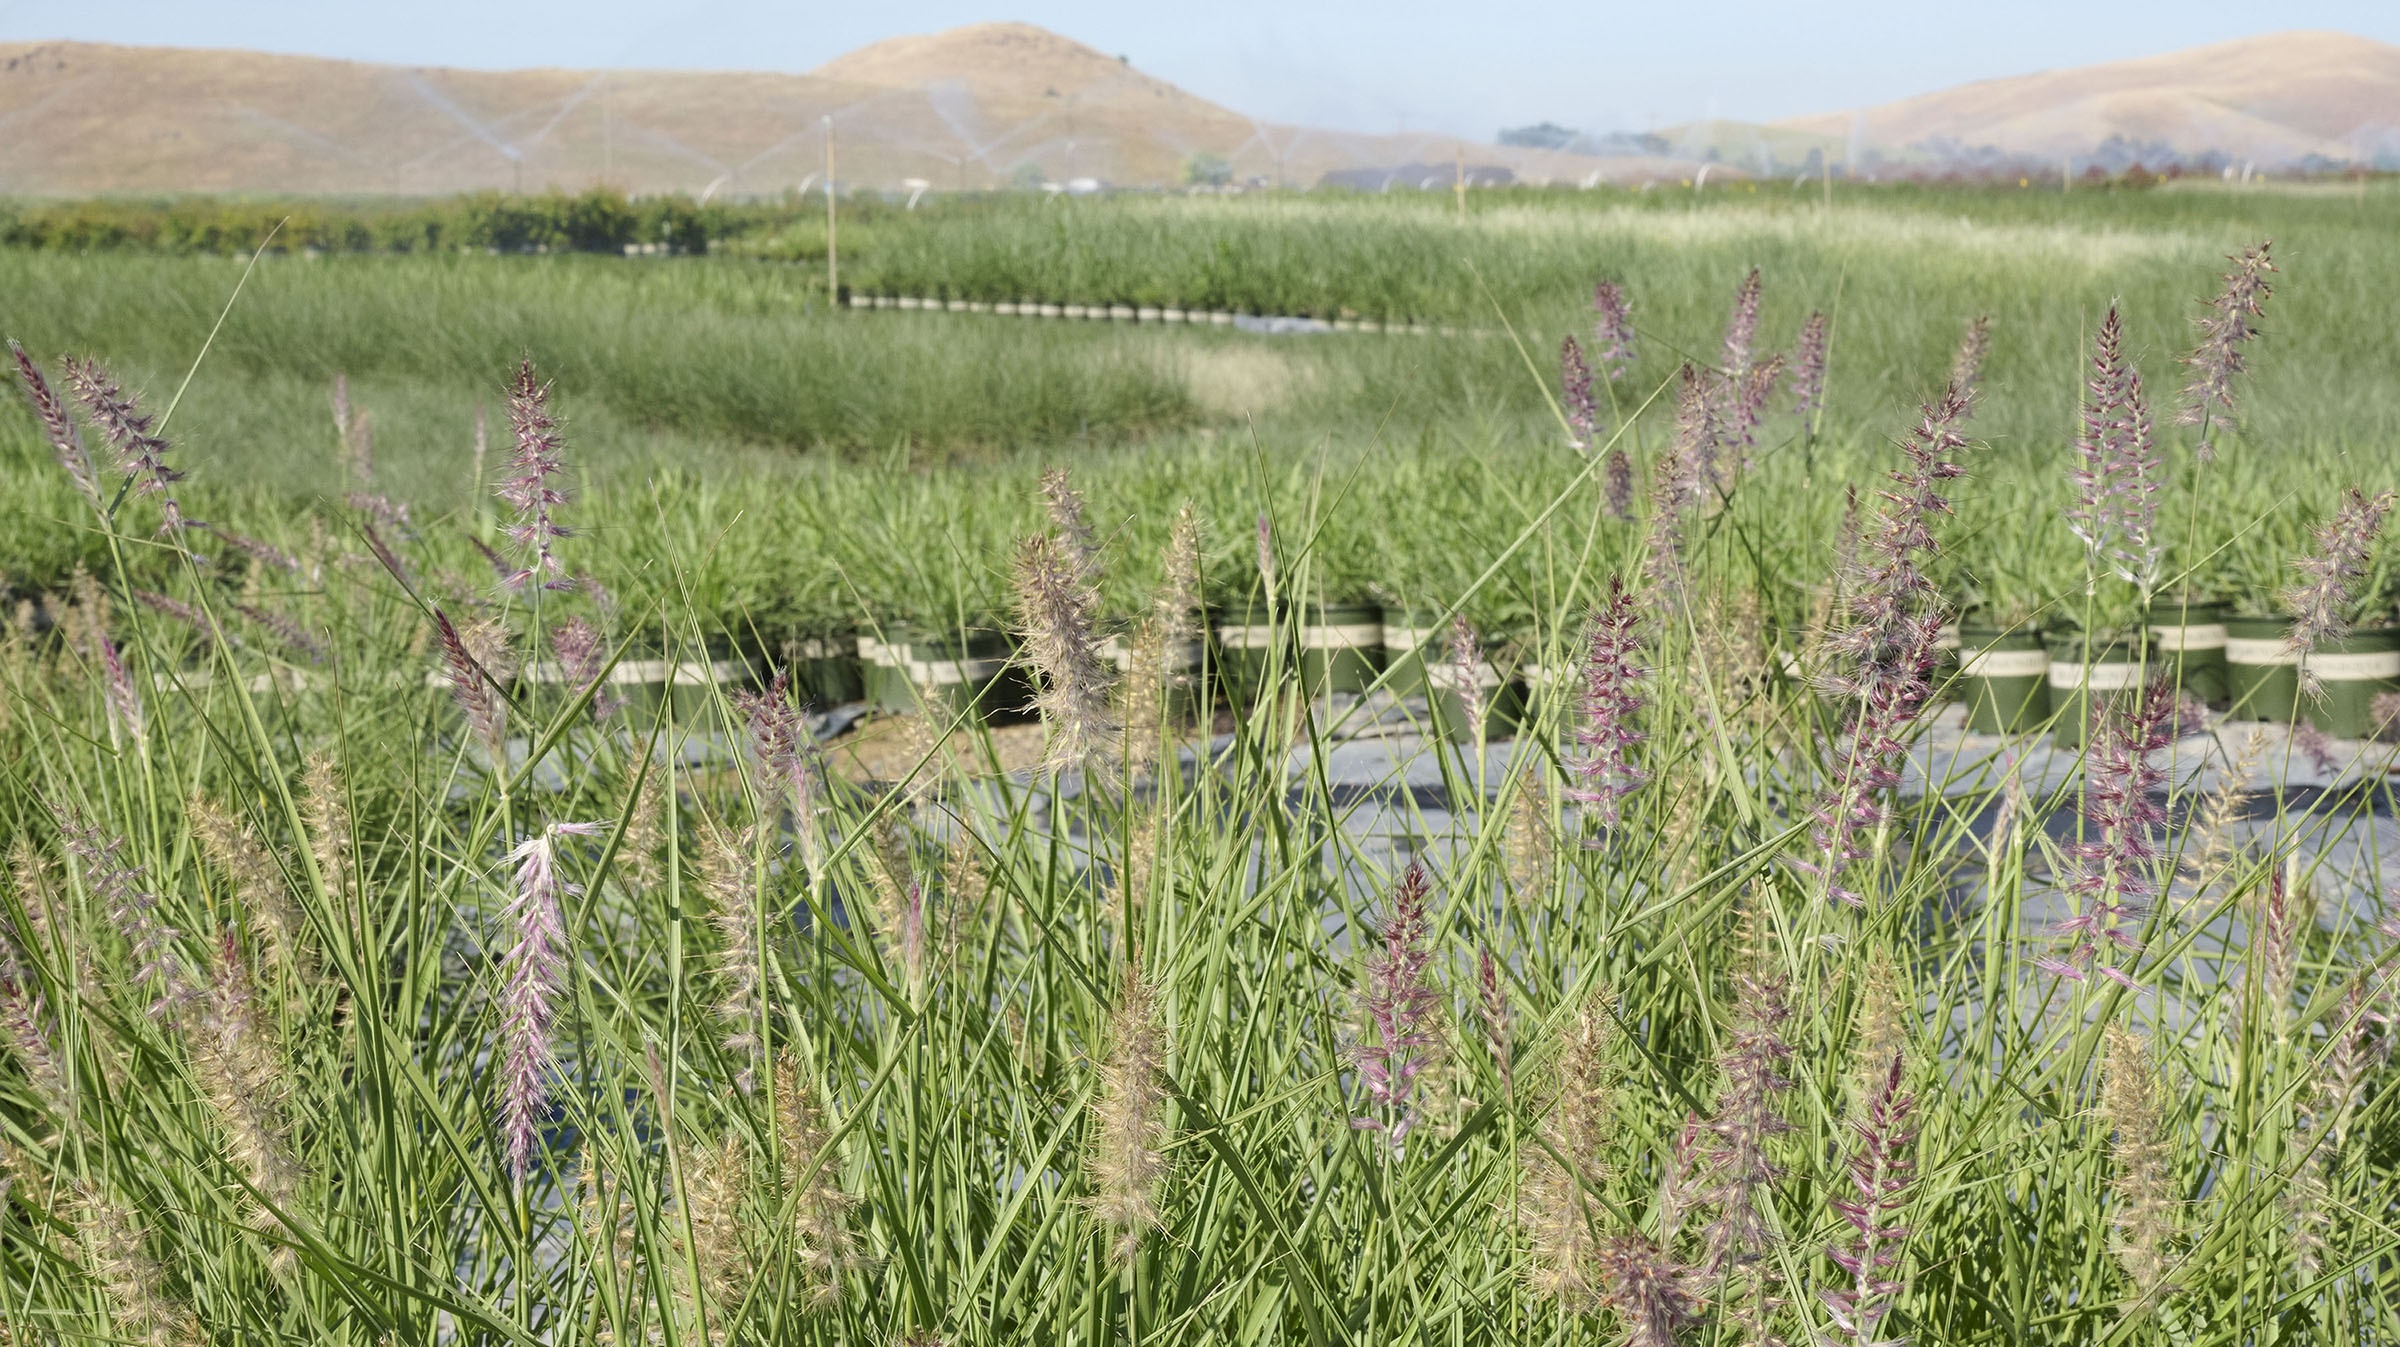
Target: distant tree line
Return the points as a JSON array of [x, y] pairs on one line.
[[599, 220]]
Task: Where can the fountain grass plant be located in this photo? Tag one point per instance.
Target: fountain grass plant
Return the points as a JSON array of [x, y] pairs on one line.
[[362, 991]]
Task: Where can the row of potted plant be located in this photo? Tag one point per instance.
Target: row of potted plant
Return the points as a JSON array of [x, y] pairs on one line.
[[2016, 677]]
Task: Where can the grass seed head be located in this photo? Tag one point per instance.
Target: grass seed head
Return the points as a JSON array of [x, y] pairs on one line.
[[1127, 1160]]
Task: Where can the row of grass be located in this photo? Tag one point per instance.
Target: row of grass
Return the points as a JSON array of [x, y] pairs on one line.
[[1005, 1060], [847, 467]]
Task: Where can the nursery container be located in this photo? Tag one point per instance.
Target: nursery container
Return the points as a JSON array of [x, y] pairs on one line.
[[1341, 647], [2003, 675], [947, 672], [1245, 635], [646, 683], [2353, 672], [825, 670], [2088, 675], [2189, 640], [1410, 638], [2262, 677]]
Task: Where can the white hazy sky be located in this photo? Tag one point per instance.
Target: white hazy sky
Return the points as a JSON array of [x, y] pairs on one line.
[[1464, 69]]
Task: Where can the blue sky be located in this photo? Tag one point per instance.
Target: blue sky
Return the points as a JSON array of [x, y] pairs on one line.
[[1456, 68]]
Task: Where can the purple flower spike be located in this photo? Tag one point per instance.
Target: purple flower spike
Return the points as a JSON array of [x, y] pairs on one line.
[[1575, 388], [581, 656], [124, 704], [529, 984], [1617, 484], [2320, 602], [2224, 330], [1612, 330], [1401, 1004], [1604, 770], [2116, 472], [66, 442], [1808, 365], [1887, 653], [1741, 328], [1880, 1170], [786, 751], [2112, 873], [531, 485], [486, 713], [141, 455]]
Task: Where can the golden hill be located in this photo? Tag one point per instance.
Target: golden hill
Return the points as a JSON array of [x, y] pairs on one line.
[[968, 108], [2271, 99]]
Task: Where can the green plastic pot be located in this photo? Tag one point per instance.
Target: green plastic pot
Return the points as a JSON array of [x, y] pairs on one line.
[[646, 684], [825, 670], [2004, 677], [2087, 676], [1245, 635], [1341, 647], [2353, 672], [908, 669], [1409, 637], [2188, 640], [2262, 675]]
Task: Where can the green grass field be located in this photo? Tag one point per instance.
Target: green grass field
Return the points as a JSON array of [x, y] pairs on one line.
[[785, 430], [356, 989]]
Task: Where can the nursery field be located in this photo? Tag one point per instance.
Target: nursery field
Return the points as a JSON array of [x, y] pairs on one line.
[[1785, 772]]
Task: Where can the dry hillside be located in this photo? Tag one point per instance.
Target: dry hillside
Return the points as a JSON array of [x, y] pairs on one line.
[[971, 107], [2271, 99]]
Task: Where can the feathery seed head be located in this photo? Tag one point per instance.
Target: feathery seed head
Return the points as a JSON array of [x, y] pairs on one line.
[[1966, 368], [530, 975], [1880, 1170], [2116, 468], [2112, 874], [2144, 1220], [1617, 484], [1654, 1296], [140, 454], [1400, 1005], [1603, 770], [474, 688], [66, 440], [2320, 602], [533, 487], [1128, 1161], [1808, 364], [1741, 327], [1575, 389], [1891, 644], [2227, 327], [828, 1249], [1612, 330], [1057, 619], [786, 750]]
